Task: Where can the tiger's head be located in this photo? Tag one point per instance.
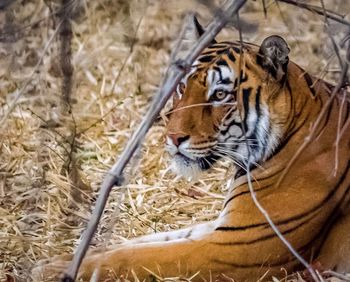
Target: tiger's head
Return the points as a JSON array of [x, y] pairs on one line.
[[230, 98]]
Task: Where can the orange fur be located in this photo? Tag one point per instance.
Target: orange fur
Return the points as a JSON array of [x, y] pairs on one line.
[[310, 206]]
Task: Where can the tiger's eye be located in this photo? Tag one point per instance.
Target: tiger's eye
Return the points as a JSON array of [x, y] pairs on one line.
[[219, 95]]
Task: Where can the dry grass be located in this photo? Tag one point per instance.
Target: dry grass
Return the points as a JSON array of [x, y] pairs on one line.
[[53, 161]]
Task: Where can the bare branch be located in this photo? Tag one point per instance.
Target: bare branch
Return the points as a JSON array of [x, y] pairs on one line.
[[131, 49], [172, 78], [318, 10]]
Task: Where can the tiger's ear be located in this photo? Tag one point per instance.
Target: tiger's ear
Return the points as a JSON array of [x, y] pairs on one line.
[[273, 56], [190, 34], [195, 29]]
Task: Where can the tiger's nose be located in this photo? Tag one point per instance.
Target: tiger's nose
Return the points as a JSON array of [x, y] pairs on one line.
[[178, 138]]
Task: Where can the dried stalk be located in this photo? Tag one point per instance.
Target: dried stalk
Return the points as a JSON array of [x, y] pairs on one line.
[[173, 76]]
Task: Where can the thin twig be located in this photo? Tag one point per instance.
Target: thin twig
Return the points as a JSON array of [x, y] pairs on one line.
[[29, 79], [116, 79], [322, 114], [337, 275], [336, 157], [115, 175], [318, 10], [33, 24], [131, 49], [335, 46], [52, 130], [275, 228], [286, 24], [256, 201]]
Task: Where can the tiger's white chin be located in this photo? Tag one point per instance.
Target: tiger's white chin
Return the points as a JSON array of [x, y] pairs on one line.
[[185, 167]]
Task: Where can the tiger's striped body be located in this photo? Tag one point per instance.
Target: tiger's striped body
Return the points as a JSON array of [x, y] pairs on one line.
[[233, 98]]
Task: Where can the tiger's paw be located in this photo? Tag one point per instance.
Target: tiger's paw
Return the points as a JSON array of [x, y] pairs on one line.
[[51, 270], [55, 268]]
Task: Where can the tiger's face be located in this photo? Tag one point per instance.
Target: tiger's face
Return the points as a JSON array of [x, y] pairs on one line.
[[204, 110], [219, 110]]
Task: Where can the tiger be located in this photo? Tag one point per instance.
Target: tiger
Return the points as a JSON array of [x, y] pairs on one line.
[[254, 106]]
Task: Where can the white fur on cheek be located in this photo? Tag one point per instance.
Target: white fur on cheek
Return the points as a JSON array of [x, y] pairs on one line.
[[187, 169]]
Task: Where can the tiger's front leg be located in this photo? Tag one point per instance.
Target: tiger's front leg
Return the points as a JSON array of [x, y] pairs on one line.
[[184, 253], [182, 257]]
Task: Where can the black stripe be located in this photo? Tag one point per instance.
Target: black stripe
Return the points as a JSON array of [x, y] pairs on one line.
[[242, 79], [302, 250], [236, 49], [266, 237], [221, 62], [231, 56], [309, 82], [289, 260], [271, 175], [218, 70], [240, 172], [255, 147], [206, 163], [244, 193], [239, 228], [322, 234], [257, 180], [257, 101], [219, 52], [206, 59], [293, 218], [246, 94], [225, 81]]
